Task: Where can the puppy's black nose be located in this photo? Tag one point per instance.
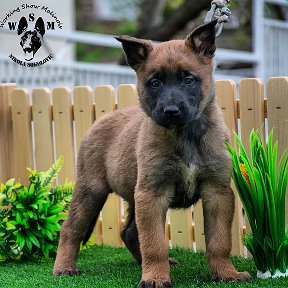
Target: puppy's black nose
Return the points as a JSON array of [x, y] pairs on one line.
[[171, 110]]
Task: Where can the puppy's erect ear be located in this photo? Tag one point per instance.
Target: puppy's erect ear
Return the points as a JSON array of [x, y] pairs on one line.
[[22, 26], [202, 39], [40, 26], [136, 50]]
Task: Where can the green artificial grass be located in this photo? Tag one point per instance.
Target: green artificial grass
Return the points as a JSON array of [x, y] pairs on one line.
[[114, 267]]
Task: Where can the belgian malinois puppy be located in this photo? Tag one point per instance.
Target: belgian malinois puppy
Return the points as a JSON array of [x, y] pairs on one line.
[[167, 153]]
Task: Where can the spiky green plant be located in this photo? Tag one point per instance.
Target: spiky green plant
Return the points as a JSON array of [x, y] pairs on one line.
[[30, 222], [261, 182]]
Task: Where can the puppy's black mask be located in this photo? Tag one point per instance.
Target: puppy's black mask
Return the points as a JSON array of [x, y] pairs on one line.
[[173, 97]]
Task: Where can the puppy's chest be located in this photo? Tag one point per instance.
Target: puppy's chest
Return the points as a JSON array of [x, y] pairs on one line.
[[187, 187]]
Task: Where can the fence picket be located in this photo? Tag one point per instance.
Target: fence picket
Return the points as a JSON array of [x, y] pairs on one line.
[[277, 110], [104, 100], [22, 135], [111, 212], [127, 95], [43, 134], [199, 227], [181, 228], [6, 133], [226, 100], [62, 116], [83, 111], [251, 93]]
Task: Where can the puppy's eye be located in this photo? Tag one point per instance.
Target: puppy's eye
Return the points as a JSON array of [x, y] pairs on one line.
[[155, 83], [188, 80]]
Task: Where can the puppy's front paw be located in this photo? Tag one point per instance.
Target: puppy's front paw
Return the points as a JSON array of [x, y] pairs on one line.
[[154, 284], [70, 271], [227, 276]]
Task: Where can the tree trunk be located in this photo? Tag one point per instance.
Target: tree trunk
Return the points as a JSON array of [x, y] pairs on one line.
[[188, 11]]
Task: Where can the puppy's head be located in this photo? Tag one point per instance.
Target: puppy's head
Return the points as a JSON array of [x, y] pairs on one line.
[[31, 41], [175, 78]]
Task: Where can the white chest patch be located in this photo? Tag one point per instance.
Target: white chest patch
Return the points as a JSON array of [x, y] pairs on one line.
[[190, 177]]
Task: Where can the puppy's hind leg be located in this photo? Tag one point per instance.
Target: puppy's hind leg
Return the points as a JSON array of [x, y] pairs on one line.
[[85, 207], [129, 234]]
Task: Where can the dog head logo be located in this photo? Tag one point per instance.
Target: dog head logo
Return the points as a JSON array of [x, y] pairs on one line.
[[31, 40], [175, 78]]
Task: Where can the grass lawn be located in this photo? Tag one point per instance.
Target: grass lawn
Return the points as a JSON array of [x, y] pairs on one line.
[[107, 267]]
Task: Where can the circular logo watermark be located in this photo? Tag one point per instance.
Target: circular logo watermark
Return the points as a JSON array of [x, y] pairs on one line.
[[30, 23]]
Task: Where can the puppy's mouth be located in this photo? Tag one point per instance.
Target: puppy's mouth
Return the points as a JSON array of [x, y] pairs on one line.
[[169, 120]]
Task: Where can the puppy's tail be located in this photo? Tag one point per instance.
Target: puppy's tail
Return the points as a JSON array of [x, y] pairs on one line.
[[89, 230]]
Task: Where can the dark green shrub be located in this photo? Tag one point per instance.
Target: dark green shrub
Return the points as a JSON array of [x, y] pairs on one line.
[[31, 218]]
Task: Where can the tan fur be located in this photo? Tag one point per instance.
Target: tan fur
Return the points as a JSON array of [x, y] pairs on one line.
[[128, 153]]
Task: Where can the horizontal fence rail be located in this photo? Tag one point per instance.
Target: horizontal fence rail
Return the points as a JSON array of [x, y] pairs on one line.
[[36, 129]]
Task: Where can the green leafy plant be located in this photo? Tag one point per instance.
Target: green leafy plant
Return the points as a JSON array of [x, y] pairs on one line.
[[30, 217], [261, 182]]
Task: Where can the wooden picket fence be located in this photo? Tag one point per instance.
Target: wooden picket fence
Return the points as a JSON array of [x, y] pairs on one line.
[[34, 135]]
